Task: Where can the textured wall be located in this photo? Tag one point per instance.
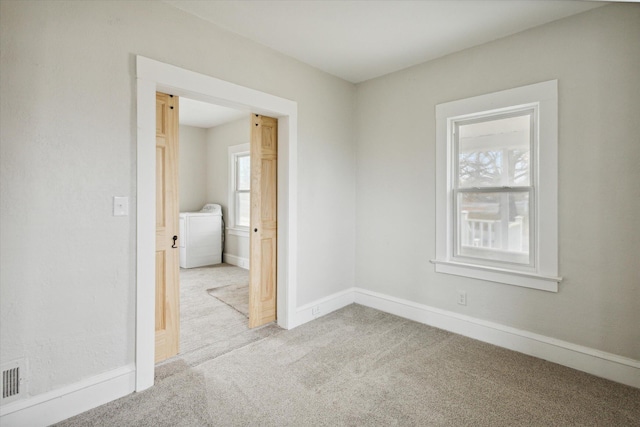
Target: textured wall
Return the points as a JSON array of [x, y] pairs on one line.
[[596, 58], [68, 115], [193, 168]]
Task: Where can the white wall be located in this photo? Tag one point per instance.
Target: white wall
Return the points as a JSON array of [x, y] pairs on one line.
[[68, 115], [219, 139], [193, 168], [596, 58]]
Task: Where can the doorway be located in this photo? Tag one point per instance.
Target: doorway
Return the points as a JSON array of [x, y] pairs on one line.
[[214, 181], [155, 76]]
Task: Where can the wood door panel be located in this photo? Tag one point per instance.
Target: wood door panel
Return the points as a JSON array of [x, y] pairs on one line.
[[160, 186], [269, 140], [160, 290], [161, 114], [268, 187], [267, 277], [263, 240], [167, 302]]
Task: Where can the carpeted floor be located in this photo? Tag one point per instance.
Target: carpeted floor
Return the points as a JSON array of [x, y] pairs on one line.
[[210, 326], [235, 296], [362, 367]]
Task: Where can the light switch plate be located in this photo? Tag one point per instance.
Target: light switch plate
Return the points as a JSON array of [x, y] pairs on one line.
[[120, 206]]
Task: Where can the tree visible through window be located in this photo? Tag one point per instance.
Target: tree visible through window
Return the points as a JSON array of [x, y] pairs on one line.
[[493, 195]]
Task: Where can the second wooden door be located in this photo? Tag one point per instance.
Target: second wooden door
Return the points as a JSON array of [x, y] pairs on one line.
[[264, 224]]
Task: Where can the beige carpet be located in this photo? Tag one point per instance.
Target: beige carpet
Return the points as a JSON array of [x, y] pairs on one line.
[[235, 296], [208, 326], [362, 367]]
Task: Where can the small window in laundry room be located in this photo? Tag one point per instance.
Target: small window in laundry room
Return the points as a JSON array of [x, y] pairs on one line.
[[239, 188]]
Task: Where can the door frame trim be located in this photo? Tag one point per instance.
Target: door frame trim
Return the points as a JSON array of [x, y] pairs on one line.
[[153, 76]]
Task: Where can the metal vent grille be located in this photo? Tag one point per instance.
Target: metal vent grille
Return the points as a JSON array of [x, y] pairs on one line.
[[10, 382], [13, 384]]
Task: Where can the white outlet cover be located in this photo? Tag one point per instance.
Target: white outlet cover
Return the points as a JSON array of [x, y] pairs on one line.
[[120, 206], [462, 298]]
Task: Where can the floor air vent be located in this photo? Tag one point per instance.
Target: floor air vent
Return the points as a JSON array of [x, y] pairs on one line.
[[13, 381]]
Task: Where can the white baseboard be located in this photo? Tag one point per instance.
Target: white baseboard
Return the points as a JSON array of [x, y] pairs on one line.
[[57, 405], [236, 260], [323, 306], [599, 363]]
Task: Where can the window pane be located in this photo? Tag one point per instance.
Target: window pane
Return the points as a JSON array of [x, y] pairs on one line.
[[243, 212], [494, 226], [243, 172], [495, 152]]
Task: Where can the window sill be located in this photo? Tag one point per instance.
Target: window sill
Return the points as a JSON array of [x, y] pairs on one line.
[[500, 275], [242, 232]]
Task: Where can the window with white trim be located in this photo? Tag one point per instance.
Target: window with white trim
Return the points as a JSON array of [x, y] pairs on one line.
[[239, 189], [496, 179]]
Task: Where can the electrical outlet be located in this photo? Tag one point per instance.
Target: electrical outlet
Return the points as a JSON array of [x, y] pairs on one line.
[[462, 298], [315, 311], [120, 206]]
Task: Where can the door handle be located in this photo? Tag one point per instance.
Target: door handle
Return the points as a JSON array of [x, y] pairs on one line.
[[174, 241]]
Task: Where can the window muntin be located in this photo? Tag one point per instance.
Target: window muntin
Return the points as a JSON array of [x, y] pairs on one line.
[[492, 195]]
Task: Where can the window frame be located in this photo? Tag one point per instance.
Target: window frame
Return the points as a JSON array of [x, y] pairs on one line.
[[233, 227], [542, 271], [528, 110]]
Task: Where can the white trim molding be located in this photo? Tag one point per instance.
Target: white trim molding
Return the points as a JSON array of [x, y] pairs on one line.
[[599, 363], [238, 232], [57, 405], [236, 260], [595, 362], [323, 306], [155, 76], [500, 275]]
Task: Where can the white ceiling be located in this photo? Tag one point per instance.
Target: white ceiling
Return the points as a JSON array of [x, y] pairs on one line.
[[204, 115], [360, 40]]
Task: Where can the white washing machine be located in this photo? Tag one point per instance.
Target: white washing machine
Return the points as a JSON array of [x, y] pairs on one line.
[[201, 237]]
